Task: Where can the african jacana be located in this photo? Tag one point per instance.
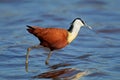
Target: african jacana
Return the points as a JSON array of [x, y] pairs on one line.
[[55, 38]]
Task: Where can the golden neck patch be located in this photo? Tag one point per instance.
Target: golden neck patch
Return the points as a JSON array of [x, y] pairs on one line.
[[71, 37]]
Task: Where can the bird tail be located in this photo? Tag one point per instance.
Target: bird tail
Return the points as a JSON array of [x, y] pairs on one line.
[[30, 29], [34, 30]]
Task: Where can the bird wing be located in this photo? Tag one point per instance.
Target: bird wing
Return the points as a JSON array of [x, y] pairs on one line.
[[53, 37]]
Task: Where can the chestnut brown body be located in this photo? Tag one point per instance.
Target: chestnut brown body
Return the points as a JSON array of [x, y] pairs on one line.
[[52, 38]]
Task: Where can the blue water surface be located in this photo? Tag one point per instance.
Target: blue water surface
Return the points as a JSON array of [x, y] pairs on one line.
[[97, 49]]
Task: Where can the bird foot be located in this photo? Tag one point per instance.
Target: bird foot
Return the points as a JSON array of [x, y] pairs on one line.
[[46, 62]]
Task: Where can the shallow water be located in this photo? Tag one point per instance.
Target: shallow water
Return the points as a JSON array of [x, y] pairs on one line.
[[93, 49]]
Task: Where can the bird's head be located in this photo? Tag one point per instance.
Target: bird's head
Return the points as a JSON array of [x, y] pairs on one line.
[[78, 23], [75, 27]]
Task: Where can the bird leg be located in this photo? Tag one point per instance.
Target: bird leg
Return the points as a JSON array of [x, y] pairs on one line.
[[47, 60], [27, 55]]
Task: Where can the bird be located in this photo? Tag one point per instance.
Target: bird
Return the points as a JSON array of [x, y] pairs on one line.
[[55, 38]]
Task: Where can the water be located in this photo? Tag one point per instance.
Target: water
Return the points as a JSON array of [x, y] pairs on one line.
[[98, 49]]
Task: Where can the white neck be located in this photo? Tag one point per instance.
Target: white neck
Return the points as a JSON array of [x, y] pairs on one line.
[[75, 27]]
